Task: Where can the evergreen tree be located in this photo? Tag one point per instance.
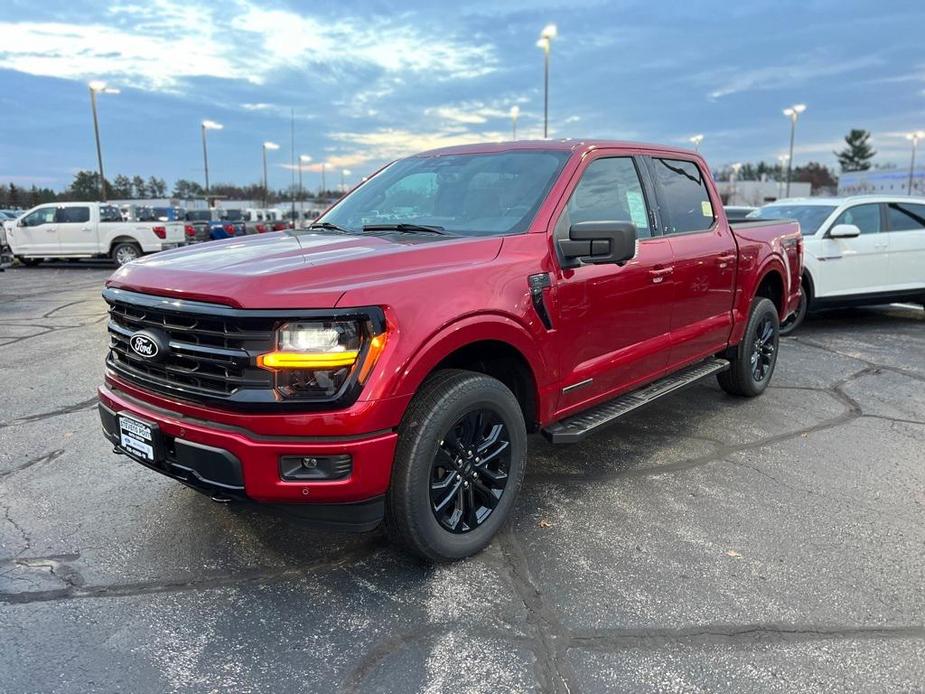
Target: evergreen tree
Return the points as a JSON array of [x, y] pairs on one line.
[[138, 187], [857, 154], [122, 186]]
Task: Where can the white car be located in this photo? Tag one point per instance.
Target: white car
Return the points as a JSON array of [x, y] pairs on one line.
[[858, 251], [87, 230]]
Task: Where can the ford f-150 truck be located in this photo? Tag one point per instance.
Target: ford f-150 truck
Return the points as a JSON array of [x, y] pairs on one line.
[[388, 362], [88, 230]]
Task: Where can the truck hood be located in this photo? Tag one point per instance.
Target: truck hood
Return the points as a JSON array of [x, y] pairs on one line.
[[296, 269]]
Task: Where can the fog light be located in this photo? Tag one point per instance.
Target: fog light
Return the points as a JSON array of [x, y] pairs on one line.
[[319, 467]]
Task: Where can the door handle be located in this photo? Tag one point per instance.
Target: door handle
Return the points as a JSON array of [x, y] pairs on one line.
[[724, 260], [880, 245], [85, 229], [658, 274], [52, 229]]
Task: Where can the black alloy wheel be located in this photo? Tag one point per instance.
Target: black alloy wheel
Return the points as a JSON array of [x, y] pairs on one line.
[[470, 470], [764, 349]]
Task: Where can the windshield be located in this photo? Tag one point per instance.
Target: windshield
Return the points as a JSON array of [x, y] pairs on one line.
[[468, 194], [810, 217]]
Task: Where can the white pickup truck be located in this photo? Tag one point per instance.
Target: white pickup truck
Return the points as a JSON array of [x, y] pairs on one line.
[[87, 230]]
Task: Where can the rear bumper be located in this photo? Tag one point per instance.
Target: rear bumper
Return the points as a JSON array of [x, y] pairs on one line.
[[232, 462]]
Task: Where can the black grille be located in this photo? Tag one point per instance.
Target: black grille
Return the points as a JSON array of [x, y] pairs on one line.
[[208, 356]]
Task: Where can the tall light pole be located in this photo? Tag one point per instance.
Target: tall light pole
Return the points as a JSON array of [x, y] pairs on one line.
[[783, 159], [793, 113], [322, 180], [735, 177], [696, 140], [266, 189], [343, 184], [303, 159], [515, 111], [207, 125], [98, 87], [915, 137], [548, 34]]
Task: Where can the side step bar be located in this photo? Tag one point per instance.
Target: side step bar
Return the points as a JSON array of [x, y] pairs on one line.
[[576, 427]]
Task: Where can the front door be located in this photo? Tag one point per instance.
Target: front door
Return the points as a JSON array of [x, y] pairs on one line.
[[75, 232], [858, 265], [704, 266], [613, 321], [37, 234]]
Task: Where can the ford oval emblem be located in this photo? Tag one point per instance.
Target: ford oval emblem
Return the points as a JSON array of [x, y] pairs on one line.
[[144, 345]]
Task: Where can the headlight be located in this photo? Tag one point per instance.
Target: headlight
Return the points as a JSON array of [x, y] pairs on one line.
[[316, 359]]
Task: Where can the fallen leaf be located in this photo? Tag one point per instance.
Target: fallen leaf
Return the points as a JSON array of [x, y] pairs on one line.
[[732, 553], [544, 523]]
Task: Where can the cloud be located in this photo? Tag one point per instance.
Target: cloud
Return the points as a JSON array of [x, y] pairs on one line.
[[735, 80], [158, 46]]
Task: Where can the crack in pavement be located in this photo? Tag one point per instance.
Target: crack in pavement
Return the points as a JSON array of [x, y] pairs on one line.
[[552, 670], [81, 406], [75, 590], [26, 539], [46, 458], [852, 411]]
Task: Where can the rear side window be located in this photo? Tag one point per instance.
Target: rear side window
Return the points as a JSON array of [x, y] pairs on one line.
[[903, 216], [108, 213], [684, 199], [609, 191], [864, 217], [73, 215]]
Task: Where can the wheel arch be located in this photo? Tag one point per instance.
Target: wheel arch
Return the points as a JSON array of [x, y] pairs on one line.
[[492, 344]]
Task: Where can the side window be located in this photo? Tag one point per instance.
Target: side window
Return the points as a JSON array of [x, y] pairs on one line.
[[109, 213], [903, 216], [864, 217], [73, 215], [683, 196], [609, 190], [43, 215]]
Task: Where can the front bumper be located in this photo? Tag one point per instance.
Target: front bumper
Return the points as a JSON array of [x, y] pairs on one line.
[[227, 461]]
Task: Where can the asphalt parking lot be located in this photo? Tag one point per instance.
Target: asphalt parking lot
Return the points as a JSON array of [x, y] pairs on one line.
[[706, 543]]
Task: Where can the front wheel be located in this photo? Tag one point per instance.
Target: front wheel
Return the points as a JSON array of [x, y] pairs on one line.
[[756, 355], [459, 465]]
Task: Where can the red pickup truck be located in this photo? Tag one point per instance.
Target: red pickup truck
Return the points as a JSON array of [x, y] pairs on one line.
[[387, 363]]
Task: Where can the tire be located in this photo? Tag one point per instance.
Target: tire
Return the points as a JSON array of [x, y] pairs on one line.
[[433, 470], [756, 355], [123, 253], [796, 320]]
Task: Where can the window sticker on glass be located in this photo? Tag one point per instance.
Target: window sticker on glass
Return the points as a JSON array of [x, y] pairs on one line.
[[706, 208], [637, 208]]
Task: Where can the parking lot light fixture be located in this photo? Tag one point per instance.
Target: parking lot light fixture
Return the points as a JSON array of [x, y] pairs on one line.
[[266, 189], [515, 111], [545, 42], [914, 137], [793, 113], [696, 140], [207, 125], [99, 87]]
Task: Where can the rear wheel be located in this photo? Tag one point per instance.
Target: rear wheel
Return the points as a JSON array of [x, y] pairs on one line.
[[458, 467], [794, 321], [756, 355], [123, 253]]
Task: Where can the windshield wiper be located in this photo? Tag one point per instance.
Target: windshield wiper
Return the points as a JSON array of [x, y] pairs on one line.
[[328, 226], [403, 228]]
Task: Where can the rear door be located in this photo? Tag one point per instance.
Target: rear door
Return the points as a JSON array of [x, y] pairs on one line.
[[705, 254], [76, 233], [859, 265], [612, 325], [906, 225]]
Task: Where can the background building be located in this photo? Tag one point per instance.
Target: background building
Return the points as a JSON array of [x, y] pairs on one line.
[[758, 193], [886, 181]]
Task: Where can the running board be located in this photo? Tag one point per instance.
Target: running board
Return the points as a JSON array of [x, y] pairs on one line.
[[576, 427]]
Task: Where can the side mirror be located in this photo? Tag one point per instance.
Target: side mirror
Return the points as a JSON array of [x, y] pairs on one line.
[[599, 242], [21, 223], [844, 231]]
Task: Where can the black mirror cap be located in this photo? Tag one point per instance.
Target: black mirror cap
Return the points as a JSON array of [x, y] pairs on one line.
[[600, 242]]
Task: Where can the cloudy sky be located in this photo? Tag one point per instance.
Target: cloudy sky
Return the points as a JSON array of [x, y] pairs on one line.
[[371, 80]]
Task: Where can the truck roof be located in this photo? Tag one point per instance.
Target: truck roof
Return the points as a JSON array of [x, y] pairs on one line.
[[566, 144]]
